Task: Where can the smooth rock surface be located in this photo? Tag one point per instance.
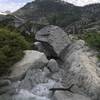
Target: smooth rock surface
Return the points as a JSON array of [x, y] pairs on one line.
[[31, 59], [54, 36], [45, 48], [68, 96], [80, 70]]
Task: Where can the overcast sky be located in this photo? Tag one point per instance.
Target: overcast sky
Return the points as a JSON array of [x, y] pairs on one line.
[[13, 5]]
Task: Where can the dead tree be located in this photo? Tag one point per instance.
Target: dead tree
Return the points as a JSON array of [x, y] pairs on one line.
[[62, 89]]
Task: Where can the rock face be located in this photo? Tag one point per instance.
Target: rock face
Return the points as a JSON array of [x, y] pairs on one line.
[[79, 67], [68, 96], [81, 70], [31, 58], [53, 66], [55, 37]]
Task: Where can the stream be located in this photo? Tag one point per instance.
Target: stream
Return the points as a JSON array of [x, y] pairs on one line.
[[39, 92]]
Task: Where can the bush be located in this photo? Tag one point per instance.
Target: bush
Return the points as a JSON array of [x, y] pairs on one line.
[[12, 45], [93, 40]]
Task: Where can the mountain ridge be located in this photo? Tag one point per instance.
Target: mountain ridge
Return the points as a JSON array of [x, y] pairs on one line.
[[60, 13]]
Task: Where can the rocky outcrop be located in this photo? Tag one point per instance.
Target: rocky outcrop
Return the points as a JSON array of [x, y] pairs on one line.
[[55, 37], [81, 70], [73, 77], [69, 96], [31, 59], [46, 48]]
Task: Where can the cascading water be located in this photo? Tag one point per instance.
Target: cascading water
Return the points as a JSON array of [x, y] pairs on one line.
[[39, 92]]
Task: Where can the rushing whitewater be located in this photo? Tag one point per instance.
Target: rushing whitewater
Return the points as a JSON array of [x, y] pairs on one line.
[[39, 92]]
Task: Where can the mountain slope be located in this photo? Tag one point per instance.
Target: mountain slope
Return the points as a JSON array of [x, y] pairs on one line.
[[56, 12], [60, 13]]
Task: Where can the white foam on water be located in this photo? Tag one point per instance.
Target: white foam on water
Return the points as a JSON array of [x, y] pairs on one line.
[[39, 92], [27, 95], [43, 88]]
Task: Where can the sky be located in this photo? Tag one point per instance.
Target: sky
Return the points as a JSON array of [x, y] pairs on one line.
[[13, 5], [82, 2]]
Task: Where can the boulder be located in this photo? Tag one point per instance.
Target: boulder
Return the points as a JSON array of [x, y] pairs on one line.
[[31, 67], [32, 59], [81, 71], [45, 48], [53, 65], [54, 36]]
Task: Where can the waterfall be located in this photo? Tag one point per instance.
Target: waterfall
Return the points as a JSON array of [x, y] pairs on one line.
[[39, 92]]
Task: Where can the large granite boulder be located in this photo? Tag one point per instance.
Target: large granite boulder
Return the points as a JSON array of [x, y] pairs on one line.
[[53, 36], [81, 70], [53, 66], [32, 78], [31, 59], [23, 70]]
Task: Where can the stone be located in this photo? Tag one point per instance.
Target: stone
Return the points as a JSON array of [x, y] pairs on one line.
[[54, 36], [81, 71], [53, 66], [45, 48], [32, 59]]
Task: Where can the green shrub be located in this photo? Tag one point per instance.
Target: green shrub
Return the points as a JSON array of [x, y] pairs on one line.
[[93, 40], [12, 45]]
